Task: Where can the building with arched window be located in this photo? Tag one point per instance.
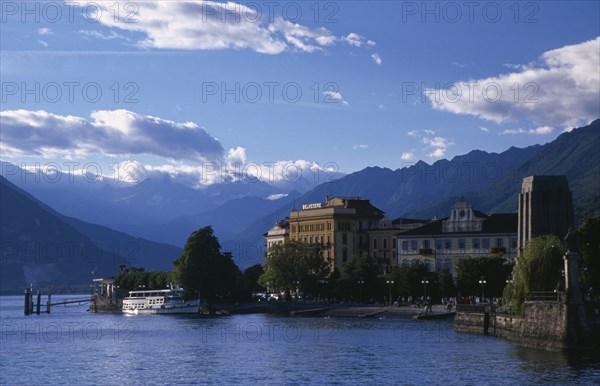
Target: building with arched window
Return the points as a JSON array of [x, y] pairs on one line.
[[466, 232]]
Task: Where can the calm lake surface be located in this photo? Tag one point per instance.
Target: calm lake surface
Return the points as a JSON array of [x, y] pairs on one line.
[[72, 346]]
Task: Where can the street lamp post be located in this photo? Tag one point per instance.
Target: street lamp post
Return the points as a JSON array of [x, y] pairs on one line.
[[390, 282], [482, 281], [297, 284], [360, 283], [425, 282]]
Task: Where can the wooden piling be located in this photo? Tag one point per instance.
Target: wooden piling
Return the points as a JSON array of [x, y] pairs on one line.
[[48, 303], [39, 302], [27, 306]]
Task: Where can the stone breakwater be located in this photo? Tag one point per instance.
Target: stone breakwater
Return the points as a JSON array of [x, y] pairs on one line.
[[544, 325]]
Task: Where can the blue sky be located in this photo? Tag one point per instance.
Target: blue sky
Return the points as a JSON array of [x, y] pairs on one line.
[[383, 83]]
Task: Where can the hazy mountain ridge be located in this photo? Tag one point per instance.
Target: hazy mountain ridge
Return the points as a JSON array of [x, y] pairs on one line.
[[227, 220], [574, 154], [45, 248]]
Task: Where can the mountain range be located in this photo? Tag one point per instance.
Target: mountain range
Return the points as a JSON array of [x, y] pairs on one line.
[[146, 224], [45, 248]]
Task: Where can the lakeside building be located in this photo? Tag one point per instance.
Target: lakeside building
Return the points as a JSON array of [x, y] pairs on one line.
[[466, 232], [279, 234], [545, 208], [382, 241], [340, 225]]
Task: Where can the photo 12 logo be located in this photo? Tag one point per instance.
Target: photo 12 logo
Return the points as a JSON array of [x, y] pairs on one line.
[[270, 92], [324, 12], [71, 92], [68, 11], [469, 11], [469, 92]]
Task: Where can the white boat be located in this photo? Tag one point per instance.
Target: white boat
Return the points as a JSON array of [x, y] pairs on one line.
[[166, 301]]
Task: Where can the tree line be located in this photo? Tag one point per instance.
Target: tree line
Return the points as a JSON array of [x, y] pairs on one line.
[[295, 268]]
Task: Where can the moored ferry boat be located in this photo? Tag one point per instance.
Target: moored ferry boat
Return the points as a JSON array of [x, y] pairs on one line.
[[165, 301]]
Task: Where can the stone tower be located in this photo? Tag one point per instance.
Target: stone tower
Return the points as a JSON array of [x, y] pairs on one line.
[[545, 208]]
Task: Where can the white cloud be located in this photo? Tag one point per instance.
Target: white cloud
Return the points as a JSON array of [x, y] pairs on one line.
[[101, 35], [45, 31], [437, 153], [485, 129], [274, 197], [376, 58], [355, 40], [360, 147], [335, 97], [413, 133], [429, 132], [108, 132], [544, 130], [408, 156], [382, 107], [439, 142], [278, 173], [563, 88], [236, 156], [303, 38], [45, 44], [211, 25]]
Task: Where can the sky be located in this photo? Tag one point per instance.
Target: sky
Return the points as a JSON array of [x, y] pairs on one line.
[[191, 88]]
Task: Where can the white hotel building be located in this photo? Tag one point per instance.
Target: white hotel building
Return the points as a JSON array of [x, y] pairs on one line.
[[466, 232]]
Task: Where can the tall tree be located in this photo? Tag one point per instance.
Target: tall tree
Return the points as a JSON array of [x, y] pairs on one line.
[[493, 269], [538, 269], [292, 265], [203, 269], [359, 279], [407, 279]]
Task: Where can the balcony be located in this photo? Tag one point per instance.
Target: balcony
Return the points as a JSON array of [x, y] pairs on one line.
[[425, 251]]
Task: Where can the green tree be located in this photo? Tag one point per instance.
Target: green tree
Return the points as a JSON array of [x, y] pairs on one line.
[[538, 269], [292, 265], [407, 279], [358, 279], [493, 269], [250, 278], [136, 278], [588, 243], [445, 284], [203, 269]]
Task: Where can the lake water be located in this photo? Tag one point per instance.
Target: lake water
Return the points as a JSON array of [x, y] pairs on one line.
[[72, 346]]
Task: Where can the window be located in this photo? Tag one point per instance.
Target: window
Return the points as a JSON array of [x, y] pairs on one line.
[[374, 243], [405, 245], [513, 242], [486, 243], [438, 244], [394, 243], [384, 243], [344, 255], [448, 244], [461, 244], [426, 244], [344, 238], [499, 242], [328, 239], [413, 245], [476, 244]]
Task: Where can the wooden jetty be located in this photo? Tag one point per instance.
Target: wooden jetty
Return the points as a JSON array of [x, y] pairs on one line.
[[30, 305]]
